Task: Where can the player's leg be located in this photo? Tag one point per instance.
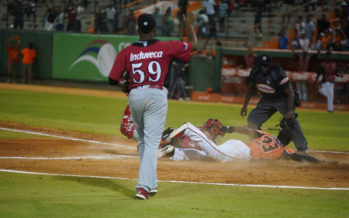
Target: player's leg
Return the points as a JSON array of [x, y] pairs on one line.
[[330, 97], [153, 103], [260, 114], [154, 122], [188, 154], [236, 149], [298, 137]]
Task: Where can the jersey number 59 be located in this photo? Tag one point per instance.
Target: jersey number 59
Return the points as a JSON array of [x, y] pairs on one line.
[[154, 72]]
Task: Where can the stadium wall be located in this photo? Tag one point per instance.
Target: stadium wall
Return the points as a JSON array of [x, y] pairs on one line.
[[43, 45]]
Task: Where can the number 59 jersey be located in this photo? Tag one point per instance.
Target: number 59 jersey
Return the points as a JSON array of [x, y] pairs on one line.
[[267, 147], [147, 62]]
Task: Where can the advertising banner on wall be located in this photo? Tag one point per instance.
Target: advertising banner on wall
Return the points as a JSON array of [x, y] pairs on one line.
[[87, 57]]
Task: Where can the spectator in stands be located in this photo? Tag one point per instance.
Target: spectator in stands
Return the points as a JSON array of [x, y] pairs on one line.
[[29, 54], [309, 28], [51, 15], [231, 7], [130, 21], [258, 18], [306, 7], [120, 14], [328, 70], [299, 25], [71, 15], [287, 10], [18, 12], [338, 39], [250, 58], [100, 21], [202, 24], [302, 85], [222, 13], [322, 25], [110, 12], [327, 40], [344, 18], [209, 8], [29, 7], [60, 20], [301, 42], [182, 5], [158, 19], [12, 47], [283, 40], [177, 89], [79, 12], [167, 22]]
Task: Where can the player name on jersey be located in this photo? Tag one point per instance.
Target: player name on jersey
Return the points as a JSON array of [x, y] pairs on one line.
[[145, 55]]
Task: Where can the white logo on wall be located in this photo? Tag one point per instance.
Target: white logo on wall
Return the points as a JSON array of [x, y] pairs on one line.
[[103, 57]]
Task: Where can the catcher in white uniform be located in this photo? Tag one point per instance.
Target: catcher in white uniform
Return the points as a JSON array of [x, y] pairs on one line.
[[191, 143]]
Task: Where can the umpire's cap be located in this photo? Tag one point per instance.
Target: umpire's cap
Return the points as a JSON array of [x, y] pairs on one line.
[[146, 23], [265, 60]]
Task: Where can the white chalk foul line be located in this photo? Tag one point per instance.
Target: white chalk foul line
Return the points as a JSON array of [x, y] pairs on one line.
[[66, 138], [115, 144], [184, 182], [88, 157]]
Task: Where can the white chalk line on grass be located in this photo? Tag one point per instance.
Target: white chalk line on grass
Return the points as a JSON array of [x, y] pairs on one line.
[[115, 144], [183, 182], [88, 157], [66, 137]]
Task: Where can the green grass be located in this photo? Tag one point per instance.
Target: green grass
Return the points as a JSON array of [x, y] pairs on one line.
[[102, 115], [58, 196], [17, 135]]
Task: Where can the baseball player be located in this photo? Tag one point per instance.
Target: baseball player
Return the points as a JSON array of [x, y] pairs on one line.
[[328, 70], [277, 95], [147, 62], [261, 146]]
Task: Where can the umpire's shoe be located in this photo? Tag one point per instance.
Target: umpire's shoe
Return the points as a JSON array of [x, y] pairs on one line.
[[142, 194]]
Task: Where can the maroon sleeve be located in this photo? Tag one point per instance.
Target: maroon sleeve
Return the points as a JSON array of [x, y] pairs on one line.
[[119, 67], [181, 50]]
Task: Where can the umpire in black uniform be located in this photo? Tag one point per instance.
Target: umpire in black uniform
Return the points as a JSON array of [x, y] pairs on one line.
[[277, 95]]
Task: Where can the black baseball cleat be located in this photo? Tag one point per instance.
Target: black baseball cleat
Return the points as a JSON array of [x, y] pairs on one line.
[[166, 133]]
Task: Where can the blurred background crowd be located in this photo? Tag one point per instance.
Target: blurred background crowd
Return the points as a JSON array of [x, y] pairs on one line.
[[305, 27]]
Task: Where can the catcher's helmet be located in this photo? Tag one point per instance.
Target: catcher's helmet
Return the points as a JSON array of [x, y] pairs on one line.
[[214, 127]]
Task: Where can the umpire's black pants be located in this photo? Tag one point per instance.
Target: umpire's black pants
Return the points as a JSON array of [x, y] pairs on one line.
[[265, 109]]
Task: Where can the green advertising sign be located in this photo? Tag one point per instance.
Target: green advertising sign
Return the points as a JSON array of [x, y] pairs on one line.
[[87, 57]]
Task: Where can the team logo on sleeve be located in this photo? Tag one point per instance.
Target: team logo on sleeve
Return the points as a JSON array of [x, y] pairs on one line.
[[265, 88], [185, 46], [285, 80]]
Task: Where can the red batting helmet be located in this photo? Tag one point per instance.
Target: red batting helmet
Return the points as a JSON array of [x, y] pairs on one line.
[[214, 127]]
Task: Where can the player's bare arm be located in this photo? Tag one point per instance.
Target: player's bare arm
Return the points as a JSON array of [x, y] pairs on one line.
[[290, 100], [248, 96], [246, 131], [189, 21]]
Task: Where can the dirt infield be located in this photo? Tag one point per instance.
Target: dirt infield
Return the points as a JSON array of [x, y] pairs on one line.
[[53, 155], [81, 158]]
